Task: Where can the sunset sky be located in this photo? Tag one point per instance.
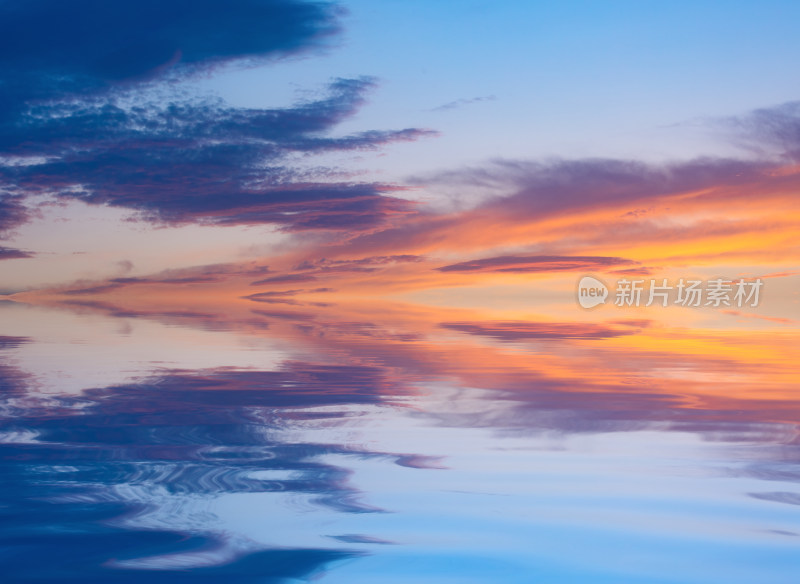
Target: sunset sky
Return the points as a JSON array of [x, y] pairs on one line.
[[451, 168], [296, 290], [374, 148]]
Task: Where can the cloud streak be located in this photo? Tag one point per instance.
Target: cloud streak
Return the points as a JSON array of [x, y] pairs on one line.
[[532, 264], [455, 104], [527, 330], [206, 162], [90, 113], [8, 253]]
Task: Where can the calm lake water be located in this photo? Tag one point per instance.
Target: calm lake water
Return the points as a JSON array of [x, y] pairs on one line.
[[268, 444]]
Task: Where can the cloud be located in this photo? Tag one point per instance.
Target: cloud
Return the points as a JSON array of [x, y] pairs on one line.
[[462, 102], [286, 296], [99, 289], [358, 538], [778, 497], [775, 319], [50, 48], [125, 266], [8, 253], [91, 111], [530, 264], [168, 315], [593, 206], [526, 330], [775, 128], [285, 278], [779, 275], [276, 297], [206, 162], [358, 264], [12, 211], [312, 269], [642, 271], [530, 189], [207, 274], [195, 275]]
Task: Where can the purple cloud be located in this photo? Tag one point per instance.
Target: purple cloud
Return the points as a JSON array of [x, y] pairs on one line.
[[8, 253], [367, 264], [525, 330], [776, 128], [534, 263], [284, 279], [532, 189], [206, 162], [12, 212]]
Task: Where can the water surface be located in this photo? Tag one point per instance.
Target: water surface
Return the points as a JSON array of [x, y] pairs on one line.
[[259, 444]]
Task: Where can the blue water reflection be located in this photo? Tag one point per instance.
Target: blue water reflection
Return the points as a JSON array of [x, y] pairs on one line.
[[366, 461]]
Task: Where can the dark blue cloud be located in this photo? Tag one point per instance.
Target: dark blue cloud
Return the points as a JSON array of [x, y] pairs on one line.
[[51, 47], [78, 82], [204, 161]]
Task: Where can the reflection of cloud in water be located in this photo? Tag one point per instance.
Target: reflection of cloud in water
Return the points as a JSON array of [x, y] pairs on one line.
[[247, 472], [124, 478]]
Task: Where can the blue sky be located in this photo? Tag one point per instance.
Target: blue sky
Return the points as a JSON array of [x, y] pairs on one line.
[[629, 79]]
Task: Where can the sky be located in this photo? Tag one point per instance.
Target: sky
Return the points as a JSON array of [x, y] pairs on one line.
[[364, 147], [269, 268]]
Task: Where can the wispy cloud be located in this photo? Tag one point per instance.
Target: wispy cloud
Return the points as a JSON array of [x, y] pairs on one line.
[[451, 105], [8, 253], [206, 162], [527, 330], [528, 264], [767, 130], [91, 107], [12, 210], [284, 279]]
